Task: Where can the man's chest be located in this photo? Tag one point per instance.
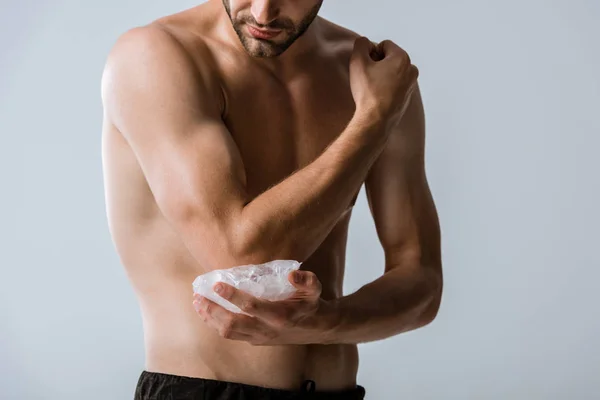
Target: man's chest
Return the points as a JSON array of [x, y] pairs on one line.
[[281, 127]]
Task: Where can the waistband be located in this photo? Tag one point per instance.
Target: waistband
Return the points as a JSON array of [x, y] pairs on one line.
[[158, 386]]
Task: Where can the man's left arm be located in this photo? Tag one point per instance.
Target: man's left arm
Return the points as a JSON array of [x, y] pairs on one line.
[[407, 296]]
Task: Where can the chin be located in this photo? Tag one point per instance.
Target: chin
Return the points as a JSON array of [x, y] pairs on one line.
[[260, 49]]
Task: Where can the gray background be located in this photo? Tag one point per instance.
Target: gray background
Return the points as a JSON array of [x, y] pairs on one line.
[[512, 94]]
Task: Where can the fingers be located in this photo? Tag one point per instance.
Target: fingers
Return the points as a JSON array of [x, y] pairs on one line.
[[247, 303], [362, 46], [387, 47], [390, 49], [230, 325], [375, 53], [265, 314], [364, 51]]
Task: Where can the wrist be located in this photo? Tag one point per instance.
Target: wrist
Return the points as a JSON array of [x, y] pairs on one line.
[[367, 127], [370, 117], [329, 319]]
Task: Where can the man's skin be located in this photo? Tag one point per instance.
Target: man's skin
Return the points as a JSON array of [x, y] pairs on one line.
[[219, 153]]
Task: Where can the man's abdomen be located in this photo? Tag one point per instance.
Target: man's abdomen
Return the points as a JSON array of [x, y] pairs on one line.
[[178, 342]]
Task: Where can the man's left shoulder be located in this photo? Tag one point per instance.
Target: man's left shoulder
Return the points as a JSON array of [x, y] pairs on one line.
[[338, 39], [337, 32]]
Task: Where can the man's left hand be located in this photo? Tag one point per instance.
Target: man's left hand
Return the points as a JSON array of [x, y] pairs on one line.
[[302, 318]]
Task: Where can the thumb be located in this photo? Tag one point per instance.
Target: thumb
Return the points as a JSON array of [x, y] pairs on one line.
[[363, 48], [306, 281]]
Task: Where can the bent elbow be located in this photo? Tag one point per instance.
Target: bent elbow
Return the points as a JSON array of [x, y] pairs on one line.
[[249, 245], [210, 239], [434, 299], [255, 243]]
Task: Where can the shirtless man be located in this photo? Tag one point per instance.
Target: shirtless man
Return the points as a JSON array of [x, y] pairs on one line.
[[240, 132]]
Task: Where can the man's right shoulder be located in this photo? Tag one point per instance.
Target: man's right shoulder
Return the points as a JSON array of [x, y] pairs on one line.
[[148, 66], [139, 44], [154, 53]]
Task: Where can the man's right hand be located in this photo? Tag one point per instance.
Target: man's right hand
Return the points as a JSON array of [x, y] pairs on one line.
[[382, 79]]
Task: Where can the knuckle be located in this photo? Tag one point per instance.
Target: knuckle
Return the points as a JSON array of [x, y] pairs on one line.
[[403, 58], [360, 42], [415, 71], [225, 334], [313, 281], [411, 74], [309, 278], [248, 305], [230, 322], [225, 331]]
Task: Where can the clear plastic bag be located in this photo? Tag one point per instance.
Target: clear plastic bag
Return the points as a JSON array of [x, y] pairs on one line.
[[267, 281]]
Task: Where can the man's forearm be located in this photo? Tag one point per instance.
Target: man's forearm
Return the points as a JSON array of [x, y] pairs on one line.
[[402, 299], [292, 218]]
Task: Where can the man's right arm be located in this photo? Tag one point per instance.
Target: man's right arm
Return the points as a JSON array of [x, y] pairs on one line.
[[168, 111]]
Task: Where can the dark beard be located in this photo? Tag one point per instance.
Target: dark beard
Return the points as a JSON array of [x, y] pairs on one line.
[[267, 48]]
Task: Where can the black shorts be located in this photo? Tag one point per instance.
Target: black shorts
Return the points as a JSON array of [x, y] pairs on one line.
[[159, 386]]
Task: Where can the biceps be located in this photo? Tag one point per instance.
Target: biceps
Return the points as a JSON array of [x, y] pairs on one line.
[[194, 176], [197, 181], [197, 178]]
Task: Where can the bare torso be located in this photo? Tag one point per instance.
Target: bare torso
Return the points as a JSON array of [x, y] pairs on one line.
[[280, 122]]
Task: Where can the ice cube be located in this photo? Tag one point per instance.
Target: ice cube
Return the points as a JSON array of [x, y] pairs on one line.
[[267, 281]]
